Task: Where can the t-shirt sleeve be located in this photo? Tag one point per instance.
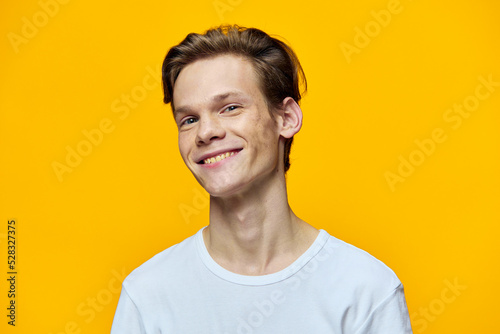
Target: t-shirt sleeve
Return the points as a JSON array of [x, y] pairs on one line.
[[127, 317], [390, 316]]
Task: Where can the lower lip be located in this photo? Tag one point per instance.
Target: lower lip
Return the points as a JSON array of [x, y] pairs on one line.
[[218, 163]]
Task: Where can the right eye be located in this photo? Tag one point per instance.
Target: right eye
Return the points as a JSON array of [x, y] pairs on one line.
[[189, 121]]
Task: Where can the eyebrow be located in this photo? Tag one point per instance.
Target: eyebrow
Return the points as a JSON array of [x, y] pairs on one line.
[[215, 99]]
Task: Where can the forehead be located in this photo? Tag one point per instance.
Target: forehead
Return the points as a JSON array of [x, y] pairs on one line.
[[203, 80]]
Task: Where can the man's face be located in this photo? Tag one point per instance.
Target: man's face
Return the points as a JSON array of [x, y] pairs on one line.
[[227, 137]]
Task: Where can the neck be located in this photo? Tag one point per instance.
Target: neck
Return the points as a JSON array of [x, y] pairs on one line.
[[256, 233]]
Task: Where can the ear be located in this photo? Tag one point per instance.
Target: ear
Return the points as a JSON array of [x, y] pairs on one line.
[[291, 116]]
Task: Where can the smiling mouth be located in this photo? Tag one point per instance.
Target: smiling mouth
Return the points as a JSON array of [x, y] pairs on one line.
[[218, 157]]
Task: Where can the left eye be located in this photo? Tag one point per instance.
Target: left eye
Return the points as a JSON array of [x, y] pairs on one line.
[[188, 121], [231, 108]]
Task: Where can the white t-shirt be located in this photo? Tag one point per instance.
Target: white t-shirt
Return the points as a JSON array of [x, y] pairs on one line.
[[332, 288]]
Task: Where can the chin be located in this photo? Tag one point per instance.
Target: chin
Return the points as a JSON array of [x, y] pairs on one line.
[[221, 191], [221, 186]]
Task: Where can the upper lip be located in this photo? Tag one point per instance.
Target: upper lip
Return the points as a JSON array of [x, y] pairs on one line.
[[216, 153]]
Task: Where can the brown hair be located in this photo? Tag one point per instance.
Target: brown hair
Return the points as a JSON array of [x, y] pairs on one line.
[[276, 65]]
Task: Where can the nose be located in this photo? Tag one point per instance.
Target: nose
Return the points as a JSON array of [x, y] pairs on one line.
[[209, 129]]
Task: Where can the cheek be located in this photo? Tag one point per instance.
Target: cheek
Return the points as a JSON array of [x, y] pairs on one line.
[[268, 139], [183, 146]]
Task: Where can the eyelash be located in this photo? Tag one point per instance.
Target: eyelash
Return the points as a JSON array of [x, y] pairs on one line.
[[187, 119], [235, 107], [193, 118]]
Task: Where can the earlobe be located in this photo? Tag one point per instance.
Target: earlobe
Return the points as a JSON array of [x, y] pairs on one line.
[[291, 118]]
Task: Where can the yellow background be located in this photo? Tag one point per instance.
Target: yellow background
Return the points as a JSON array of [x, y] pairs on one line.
[[131, 196]]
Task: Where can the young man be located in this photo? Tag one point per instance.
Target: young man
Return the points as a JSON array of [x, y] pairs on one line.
[[257, 267]]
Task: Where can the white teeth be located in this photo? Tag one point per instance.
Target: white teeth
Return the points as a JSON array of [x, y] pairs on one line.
[[218, 158]]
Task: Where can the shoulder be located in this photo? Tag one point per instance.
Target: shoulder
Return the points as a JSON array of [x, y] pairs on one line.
[[164, 266], [372, 296], [357, 269]]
